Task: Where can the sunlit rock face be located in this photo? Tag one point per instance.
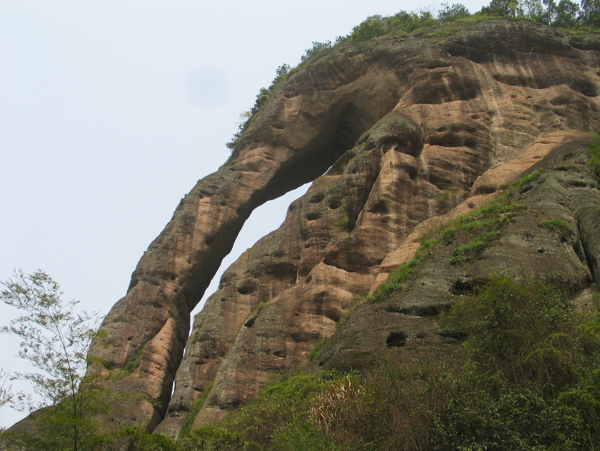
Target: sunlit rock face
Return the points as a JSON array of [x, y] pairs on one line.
[[397, 135]]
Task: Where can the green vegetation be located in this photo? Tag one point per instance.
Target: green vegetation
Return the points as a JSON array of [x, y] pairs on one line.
[[54, 340], [277, 419], [486, 222], [442, 32], [525, 180], [135, 438], [281, 74], [561, 228], [531, 373], [318, 346], [528, 379], [398, 279], [565, 14], [594, 153], [472, 250], [191, 415], [343, 222], [5, 390], [134, 361]]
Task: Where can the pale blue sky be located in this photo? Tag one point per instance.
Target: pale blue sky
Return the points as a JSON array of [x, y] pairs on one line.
[[110, 111]]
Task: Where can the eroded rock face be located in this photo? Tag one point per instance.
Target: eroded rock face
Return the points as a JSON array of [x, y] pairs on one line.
[[405, 324], [398, 134]]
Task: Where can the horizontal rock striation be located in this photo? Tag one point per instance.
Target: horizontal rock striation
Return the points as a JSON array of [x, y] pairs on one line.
[[398, 135]]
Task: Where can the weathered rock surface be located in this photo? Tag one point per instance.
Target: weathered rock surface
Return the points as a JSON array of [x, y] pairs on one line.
[[564, 192], [398, 134]]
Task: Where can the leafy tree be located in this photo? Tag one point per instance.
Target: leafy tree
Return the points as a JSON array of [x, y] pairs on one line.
[[370, 28], [5, 392], [281, 74], [449, 13], [531, 379], [530, 8], [590, 12], [501, 8], [54, 339], [317, 47], [565, 14]]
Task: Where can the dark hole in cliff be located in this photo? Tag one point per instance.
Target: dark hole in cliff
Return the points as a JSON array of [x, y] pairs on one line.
[[396, 340], [316, 198], [247, 287], [282, 270], [434, 64], [463, 286], [333, 314], [559, 112], [302, 337], [312, 215], [408, 146], [485, 189], [562, 100], [353, 122], [459, 137], [380, 206], [578, 184], [334, 204], [522, 80], [586, 87], [412, 171], [416, 310], [250, 322], [456, 335], [525, 189], [444, 89]]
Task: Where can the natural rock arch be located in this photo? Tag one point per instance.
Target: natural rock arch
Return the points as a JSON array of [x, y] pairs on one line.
[[409, 128]]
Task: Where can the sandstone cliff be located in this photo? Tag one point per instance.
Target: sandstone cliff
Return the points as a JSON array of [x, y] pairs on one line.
[[398, 135]]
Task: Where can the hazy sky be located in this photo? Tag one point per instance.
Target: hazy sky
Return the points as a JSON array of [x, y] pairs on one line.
[[110, 111]]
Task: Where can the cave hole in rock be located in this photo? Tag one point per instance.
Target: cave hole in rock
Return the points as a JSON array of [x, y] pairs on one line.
[[262, 221], [396, 340]]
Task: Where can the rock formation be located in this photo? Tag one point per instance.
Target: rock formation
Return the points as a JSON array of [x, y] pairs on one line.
[[398, 135]]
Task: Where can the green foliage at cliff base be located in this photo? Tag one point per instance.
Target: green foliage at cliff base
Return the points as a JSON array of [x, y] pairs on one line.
[[529, 378], [594, 154]]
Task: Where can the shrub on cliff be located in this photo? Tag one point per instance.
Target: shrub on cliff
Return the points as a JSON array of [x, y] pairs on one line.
[[529, 379], [594, 154]]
